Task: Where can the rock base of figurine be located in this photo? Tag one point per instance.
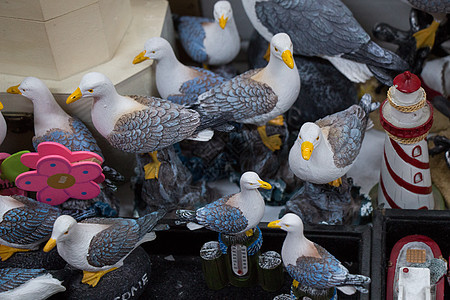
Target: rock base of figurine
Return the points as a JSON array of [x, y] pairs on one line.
[[323, 203], [313, 294], [35, 259], [126, 282]]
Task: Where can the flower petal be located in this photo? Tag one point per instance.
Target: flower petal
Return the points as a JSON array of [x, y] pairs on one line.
[[85, 171], [100, 178], [31, 181], [53, 164], [30, 159], [52, 196], [53, 148], [83, 191]]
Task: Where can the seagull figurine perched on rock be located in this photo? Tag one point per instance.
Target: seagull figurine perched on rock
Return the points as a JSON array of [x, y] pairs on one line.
[[312, 267], [210, 42], [138, 124], [232, 214], [325, 28], [257, 96], [3, 127], [24, 284], [51, 122], [175, 81], [100, 245], [26, 223], [325, 150], [438, 9]]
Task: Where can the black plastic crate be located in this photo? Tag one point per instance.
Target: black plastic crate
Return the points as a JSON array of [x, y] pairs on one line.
[[390, 225]]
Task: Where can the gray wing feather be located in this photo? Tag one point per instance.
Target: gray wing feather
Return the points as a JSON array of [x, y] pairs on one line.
[[239, 98], [346, 133], [316, 27], [160, 125]]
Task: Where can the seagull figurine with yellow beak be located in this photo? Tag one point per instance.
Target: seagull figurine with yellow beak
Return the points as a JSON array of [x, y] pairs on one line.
[[175, 81], [232, 214], [325, 150], [312, 267], [100, 245], [258, 96], [138, 124], [210, 42]]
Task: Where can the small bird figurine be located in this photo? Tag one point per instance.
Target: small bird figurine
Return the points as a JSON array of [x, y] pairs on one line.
[[3, 127], [438, 9], [26, 223], [257, 96], [138, 124], [24, 284], [51, 122], [232, 214], [100, 245], [325, 150], [176, 82], [325, 28], [210, 42], [312, 267]]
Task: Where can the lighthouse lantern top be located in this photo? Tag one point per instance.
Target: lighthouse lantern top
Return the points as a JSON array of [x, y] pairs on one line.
[[407, 82]]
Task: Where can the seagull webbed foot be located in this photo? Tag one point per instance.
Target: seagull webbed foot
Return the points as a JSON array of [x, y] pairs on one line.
[[425, 37], [278, 121], [272, 142], [92, 278], [336, 182], [152, 169], [6, 252]]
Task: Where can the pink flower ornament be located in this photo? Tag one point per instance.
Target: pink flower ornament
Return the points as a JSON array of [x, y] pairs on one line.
[[56, 179]]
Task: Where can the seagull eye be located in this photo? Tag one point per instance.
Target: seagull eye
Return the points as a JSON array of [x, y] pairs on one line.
[[67, 232], [276, 49], [90, 91], [153, 52], [317, 138]]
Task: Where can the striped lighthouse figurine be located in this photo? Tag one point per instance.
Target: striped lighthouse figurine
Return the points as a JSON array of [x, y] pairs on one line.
[[406, 116]]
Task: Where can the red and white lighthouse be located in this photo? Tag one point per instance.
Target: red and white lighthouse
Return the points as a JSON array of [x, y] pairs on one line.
[[406, 116]]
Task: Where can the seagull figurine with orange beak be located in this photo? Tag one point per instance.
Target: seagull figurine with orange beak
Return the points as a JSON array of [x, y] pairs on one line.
[[210, 42], [325, 150], [257, 96]]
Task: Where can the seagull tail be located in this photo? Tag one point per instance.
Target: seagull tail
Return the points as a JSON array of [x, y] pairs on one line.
[[186, 215], [352, 282], [367, 104], [149, 221]]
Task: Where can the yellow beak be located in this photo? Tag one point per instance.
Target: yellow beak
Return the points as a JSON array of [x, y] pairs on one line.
[[1, 106], [288, 59], [140, 58], [74, 96], [265, 185], [50, 245], [274, 224], [14, 90], [223, 22], [307, 148]]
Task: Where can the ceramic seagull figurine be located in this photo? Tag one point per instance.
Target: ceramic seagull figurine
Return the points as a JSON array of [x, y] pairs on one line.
[[312, 267], [51, 122], [325, 28], [210, 42], [3, 127], [232, 214], [24, 284], [257, 96], [100, 245], [138, 124], [438, 9], [175, 81], [325, 150], [26, 223]]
